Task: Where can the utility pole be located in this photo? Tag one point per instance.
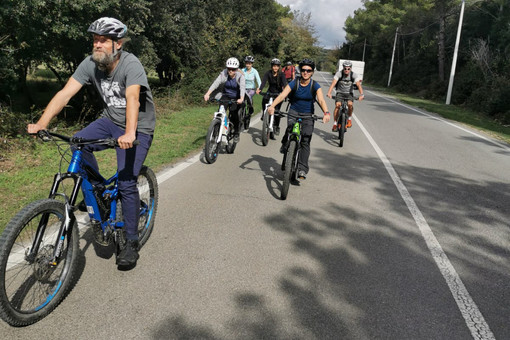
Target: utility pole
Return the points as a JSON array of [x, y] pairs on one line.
[[454, 62], [364, 47], [393, 57]]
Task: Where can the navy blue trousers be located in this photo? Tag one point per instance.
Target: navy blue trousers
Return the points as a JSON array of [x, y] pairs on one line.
[[129, 164]]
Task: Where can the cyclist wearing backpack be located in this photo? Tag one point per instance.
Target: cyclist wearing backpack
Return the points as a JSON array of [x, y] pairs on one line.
[[344, 81], [234, 88], [303, 93], [128, 114], [277, 83]]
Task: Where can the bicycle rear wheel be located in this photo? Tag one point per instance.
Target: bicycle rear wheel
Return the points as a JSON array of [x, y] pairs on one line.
[[289, 168], [342, 121], [211, 145], [147, 185], [231, 143], [31, 287], [148, 191], [265, 129]]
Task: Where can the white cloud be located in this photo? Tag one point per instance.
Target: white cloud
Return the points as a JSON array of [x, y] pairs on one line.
[[328, 17]]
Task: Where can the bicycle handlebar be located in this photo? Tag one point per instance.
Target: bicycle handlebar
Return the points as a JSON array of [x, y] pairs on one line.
[[314, 116], [223, 101], [46, 136]]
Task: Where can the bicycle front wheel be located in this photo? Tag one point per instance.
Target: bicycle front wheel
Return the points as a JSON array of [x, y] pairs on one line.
[[30, 285], [211, 141], [341, 131], [265, 129], [289, 168]]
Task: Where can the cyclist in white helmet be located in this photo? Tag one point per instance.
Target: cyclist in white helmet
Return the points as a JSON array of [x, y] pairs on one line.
[[234, 87], [128, 114], [344, 81]]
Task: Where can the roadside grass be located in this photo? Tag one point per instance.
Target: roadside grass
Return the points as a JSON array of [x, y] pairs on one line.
[[476, 120], [28, 166]]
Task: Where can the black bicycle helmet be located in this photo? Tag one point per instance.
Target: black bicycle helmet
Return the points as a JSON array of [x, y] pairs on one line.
[[275, 61], [109, 27], [307, 62], [249, 59]]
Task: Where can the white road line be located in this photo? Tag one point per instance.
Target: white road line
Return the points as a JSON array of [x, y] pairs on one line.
[[473, 317], [468, 308], [506, 148]]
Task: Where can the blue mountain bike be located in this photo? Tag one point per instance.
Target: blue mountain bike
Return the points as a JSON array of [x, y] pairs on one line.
[[39, 248]]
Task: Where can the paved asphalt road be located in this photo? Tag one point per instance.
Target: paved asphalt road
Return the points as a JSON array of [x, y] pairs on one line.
[[401, 234]]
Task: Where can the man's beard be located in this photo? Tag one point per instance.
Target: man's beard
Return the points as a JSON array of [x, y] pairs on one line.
[[102, 59]]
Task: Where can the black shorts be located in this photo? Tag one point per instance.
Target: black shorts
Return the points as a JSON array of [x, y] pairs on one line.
[[340, 97]]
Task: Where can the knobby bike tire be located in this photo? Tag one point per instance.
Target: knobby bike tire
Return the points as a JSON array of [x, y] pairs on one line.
[[30, 290], [231, 144], [147, 184], [341, 131], [212, 148], [265, 129], [289, 168]]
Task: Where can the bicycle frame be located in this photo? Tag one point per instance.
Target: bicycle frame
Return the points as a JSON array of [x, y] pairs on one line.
[[222, 115], [80, 172]]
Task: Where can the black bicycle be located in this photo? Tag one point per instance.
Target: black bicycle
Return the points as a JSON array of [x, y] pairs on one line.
[[220, 132], [343, 115], [290, 157], [39, 248]]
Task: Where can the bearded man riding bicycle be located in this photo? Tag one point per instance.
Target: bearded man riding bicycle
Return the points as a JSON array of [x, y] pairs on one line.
[[128, 114], [344, 81]]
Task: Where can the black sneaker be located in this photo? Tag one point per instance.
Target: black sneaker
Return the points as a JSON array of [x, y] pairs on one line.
[[247, 123], [82, 206], [271, 135], [301, 174], [236, 138], [282, 149], [277, 131], [129, 255]]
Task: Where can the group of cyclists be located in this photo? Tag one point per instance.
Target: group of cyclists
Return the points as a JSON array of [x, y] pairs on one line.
[[237, 84], [129, 114]]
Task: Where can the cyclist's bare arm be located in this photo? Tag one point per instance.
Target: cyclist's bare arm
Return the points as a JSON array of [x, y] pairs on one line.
[[132, 110], [333, 83], [360, 89], [281, 97], [56, 105], [323, 105]]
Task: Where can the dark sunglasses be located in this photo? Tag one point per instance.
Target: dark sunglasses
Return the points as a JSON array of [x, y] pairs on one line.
[[347, 68], [307, 70], [231, 69]]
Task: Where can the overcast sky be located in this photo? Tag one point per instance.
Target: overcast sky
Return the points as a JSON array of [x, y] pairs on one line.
[[328, 17]]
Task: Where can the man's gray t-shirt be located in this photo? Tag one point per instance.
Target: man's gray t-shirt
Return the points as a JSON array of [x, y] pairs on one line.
[[112, 88], [345, 83]]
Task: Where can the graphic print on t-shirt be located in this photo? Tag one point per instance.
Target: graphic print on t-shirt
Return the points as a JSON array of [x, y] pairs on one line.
[[112, 94]]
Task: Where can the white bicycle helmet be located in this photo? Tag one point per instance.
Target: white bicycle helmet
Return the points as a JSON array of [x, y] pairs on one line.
[[347, 63], [232, 63], [109, 27]]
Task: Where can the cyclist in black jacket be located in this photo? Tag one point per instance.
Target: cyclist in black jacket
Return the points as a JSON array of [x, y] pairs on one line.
[[277, 83]]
